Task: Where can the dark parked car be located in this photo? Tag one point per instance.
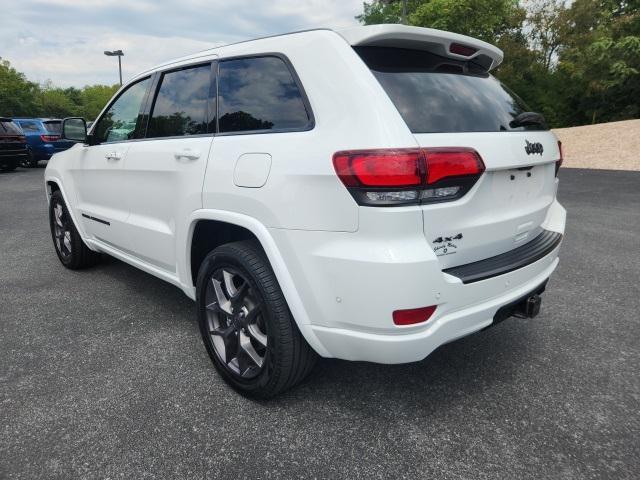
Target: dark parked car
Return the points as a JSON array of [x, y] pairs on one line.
[[43, 137], [13, 145]]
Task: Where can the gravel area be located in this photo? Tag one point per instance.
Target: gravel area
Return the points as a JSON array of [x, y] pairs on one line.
[[591, 146]]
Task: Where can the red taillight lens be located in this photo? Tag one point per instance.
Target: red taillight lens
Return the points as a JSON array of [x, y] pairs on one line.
[[463, 50], [452, 162], [379, 168], [413, 315], [50, 138], [559, 161], [408, 176]]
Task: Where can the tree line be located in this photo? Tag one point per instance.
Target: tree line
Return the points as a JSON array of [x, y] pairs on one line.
[[576, 62], [20, 97]]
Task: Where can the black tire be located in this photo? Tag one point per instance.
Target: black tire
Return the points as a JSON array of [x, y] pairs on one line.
[[29, 162], [288, 358], [73, 253]]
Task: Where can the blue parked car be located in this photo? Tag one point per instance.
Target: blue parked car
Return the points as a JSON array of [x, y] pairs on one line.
[[43, 138]]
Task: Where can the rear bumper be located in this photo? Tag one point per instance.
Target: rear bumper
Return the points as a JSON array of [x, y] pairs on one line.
[[43, 151], [412, 347], [351, 284], [13, 157]]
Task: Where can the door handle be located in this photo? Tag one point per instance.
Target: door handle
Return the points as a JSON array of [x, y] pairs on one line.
[[113, 156], [187, 153]]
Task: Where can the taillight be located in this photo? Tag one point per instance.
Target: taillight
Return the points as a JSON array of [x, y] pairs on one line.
[[407, 176], [50, 138], [413, 315], [559, 162]]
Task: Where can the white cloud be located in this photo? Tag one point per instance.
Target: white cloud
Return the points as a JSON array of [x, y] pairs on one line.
[[64, 40]]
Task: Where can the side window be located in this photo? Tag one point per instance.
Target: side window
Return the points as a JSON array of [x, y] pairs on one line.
[[180, 107], [259, 94], [119, 122]]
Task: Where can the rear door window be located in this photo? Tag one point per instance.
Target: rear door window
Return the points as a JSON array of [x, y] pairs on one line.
[[257, 94], [181, 105], [436, 94]]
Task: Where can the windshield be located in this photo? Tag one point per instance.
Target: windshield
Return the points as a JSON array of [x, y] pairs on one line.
[[435, 94]]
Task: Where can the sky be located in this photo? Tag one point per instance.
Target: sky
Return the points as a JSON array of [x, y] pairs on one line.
[[64, 40]]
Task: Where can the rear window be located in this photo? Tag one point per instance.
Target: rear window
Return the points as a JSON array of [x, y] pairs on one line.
[[435, 94], [10, 128], [53, 127], [30, 125]]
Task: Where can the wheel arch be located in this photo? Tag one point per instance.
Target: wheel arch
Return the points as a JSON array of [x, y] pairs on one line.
[[248, 227]]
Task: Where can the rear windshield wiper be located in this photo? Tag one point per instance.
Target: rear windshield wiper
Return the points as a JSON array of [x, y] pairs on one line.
[[525, 119]]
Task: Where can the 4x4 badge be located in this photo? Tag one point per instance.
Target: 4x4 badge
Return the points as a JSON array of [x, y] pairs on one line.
[[533, 148], [446, 244]]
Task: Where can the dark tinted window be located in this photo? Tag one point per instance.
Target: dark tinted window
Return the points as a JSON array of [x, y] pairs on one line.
[[53, 127], [259, 94], [30, 125], [119, 122], [180, 107], [7, 127], [437, 94]]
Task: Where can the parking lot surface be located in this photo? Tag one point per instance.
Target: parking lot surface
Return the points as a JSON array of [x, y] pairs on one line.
[[103, 373]]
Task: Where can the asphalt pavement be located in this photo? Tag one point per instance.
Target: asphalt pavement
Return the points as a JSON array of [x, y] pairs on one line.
[[103, 373]]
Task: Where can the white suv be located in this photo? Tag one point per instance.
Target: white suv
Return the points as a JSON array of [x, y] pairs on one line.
[[364, 194]]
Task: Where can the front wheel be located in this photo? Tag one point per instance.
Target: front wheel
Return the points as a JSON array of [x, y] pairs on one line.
[[71, 250], [246, 325]]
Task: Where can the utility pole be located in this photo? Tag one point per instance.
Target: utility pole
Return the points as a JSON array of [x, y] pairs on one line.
[[119, 54]]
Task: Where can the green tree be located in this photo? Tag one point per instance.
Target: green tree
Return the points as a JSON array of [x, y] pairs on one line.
[[488, 20], [93, 99], [21, 98], [54, 102], [17, 94], [601, 60]]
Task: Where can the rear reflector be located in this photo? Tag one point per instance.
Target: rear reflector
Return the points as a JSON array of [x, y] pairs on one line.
[[408, 176], [413, 316], [463, 50]]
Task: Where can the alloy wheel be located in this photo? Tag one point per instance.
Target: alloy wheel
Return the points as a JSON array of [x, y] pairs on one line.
[[62, 231], [235, 323]]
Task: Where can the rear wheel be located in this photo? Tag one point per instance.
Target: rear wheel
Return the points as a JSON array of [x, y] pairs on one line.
[[71, 250], [29, 161], [246, 324]]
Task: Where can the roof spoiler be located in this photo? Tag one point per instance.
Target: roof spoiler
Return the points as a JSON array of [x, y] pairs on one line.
[[446, 44]]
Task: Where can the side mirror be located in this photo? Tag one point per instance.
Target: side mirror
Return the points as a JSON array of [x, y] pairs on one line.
[[75, 129]]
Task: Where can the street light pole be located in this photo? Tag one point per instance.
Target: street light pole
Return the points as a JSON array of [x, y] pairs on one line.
[[119, 54]]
